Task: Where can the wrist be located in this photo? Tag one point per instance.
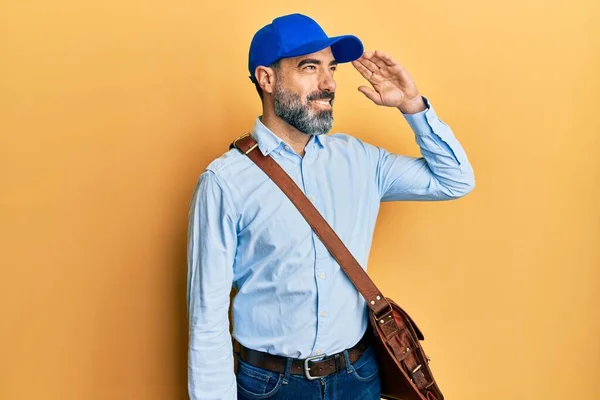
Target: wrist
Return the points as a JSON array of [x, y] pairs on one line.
[[413, 106]]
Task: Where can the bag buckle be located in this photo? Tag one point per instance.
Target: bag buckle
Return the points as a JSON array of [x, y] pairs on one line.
[[307, 369], [387, 315], [234, 144]]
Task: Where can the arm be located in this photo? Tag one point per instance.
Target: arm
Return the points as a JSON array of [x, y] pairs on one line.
[[211, 250], [444, 171]]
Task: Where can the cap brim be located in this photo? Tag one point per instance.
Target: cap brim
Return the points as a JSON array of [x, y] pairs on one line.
[[345, 48]]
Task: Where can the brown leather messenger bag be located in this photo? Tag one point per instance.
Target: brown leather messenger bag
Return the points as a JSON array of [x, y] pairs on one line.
[[404, 368]]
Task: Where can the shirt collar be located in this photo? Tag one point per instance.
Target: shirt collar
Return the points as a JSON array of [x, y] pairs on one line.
[[318, 139], [268, 141]]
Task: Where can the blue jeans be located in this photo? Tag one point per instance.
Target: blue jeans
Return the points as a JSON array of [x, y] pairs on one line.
[[359, 381]]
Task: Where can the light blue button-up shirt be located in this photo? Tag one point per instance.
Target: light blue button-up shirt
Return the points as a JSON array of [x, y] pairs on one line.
[[293, 299]]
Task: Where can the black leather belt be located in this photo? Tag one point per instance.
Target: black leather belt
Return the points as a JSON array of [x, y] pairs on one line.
[[328, 364]]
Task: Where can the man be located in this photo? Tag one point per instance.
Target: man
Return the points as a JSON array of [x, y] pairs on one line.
[[300, 323]]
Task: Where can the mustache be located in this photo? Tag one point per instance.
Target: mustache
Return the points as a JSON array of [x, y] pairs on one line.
[[321, 96]]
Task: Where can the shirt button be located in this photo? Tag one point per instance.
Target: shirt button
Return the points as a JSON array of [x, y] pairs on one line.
[[322, 275], [323, 313], [280, 152], [287, 148], [312, 198], [317, 352]]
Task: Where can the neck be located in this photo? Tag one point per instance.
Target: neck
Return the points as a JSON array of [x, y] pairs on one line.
[[292, 136]]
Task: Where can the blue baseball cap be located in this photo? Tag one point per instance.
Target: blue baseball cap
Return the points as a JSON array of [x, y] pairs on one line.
[[295, 35]]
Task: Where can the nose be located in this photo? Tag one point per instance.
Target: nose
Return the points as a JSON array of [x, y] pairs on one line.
[[327, 82]]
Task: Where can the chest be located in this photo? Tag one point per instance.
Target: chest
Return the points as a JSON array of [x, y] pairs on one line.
[[342, 189]]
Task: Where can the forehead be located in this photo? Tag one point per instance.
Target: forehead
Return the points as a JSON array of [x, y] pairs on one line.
[[325, 56]]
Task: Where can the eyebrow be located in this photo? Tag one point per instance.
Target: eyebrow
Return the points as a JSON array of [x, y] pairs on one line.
[[314, 61]]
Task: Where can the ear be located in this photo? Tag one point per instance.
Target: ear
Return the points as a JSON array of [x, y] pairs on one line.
[[265, 76]]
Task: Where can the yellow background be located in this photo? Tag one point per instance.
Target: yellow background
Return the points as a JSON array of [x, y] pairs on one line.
[[110, 110]]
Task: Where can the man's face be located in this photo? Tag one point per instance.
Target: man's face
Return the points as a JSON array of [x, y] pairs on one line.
[[305, 90]]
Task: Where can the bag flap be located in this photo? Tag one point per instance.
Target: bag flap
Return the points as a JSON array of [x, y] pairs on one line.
[[408, 317]]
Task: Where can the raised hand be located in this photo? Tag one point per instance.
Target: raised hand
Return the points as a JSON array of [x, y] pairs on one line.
[[392, 86]]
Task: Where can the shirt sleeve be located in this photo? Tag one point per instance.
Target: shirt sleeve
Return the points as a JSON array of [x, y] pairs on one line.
[[212, 241], [442, 173]]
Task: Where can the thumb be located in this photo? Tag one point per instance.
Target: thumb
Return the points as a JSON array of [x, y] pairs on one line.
[[371, 94]]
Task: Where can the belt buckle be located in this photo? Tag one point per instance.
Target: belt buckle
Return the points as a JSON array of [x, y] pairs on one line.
[[307, 369]]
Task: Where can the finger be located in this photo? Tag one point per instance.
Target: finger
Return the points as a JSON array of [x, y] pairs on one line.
[[364, 71], [378, 60], [371, 94], [371, 66], [389, 61]]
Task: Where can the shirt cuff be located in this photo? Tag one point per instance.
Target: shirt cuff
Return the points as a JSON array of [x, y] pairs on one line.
[[423, 121]]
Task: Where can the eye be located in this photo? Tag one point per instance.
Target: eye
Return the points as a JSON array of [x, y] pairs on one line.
[[333, 68], [310, 67]]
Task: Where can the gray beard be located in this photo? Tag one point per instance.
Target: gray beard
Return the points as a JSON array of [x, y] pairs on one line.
[[289, 107]]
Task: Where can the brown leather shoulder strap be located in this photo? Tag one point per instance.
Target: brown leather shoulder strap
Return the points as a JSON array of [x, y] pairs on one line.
[[375, 299]]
